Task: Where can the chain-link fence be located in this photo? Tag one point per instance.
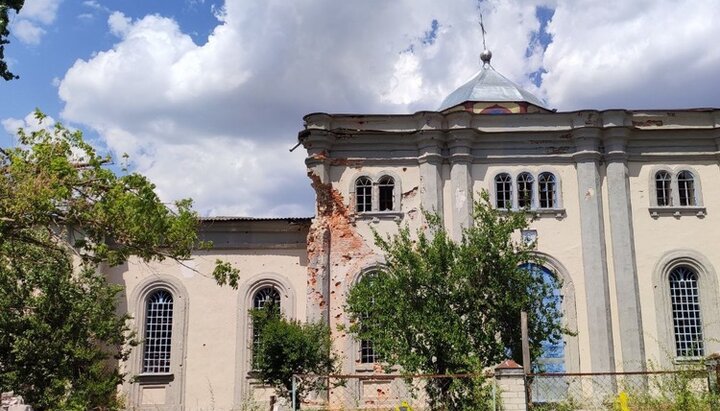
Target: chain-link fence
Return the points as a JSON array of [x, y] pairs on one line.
[[395, 392], [637, 391]]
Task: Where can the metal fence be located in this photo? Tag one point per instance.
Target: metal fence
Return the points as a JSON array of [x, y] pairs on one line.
[[637, 391], [394, 392]]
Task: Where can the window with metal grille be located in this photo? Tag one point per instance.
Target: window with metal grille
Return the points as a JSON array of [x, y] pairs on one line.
[[367, 351], [525, 190], [685, 301], [686, 188], [503, 191], [386, 188], [662, 188], [263, 297], [547, 187], [363, 194], [158, 333]]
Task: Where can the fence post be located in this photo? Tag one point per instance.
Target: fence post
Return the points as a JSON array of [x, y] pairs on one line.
[[510, 379], [294, 392]]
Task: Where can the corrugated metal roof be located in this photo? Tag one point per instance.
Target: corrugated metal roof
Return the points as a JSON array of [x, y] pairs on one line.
[[233, 218], [489, 86]]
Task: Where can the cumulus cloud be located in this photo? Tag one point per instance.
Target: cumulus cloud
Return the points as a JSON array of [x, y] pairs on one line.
[[639, 54], [214, 120], [29, 123], [35, 14]]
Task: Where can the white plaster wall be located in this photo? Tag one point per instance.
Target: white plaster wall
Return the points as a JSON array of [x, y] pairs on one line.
[[213, 314], [656, 237]]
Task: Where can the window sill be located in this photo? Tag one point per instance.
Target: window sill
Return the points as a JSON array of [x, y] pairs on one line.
[[376, 216], [558, 213], [160, 378], [677, 212]]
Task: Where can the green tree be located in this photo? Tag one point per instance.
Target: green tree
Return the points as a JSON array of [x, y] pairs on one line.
[[288, 347], [63, 214], [443, 307], [5, 7]]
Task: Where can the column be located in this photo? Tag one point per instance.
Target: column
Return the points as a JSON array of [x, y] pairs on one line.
[[623, 248], [430, 160], [597, 289]]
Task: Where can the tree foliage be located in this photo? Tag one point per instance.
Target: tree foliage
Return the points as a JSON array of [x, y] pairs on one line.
[[443, 307], [64, 214], [289, 347], [5, 7]]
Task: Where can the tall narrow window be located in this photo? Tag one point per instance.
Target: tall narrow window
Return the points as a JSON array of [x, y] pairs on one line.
[[503, 191], [158, 333], [386, 187], [367, 350], [548, 190], [685, 301], [363, 194], [662, 188], [263, 297], [525, 190], [686, 188]]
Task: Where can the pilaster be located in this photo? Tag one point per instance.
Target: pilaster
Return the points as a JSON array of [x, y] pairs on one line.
[[430, 160], [597, 290], [459, 143], [623, 251]]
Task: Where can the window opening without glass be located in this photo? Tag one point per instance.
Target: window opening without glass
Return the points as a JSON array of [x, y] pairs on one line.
[[685, 302], [662, 188], [548, 190], [367, 351], [686, 188], [525, 190], [386, 188], [158, 333], [503, 191]]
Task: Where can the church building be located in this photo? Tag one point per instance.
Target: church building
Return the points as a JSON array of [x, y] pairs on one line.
[[627, 214]]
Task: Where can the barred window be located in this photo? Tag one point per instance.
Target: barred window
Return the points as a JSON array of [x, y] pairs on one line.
[[685, 301], [686, 188], [386, 187], [264, 297], [548, 190], [158, 332], [503, 191], [525, 190], [363, 194], [367, 351], [662, 188]]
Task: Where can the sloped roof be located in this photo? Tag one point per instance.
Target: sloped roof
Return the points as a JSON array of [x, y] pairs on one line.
[[490, 86]]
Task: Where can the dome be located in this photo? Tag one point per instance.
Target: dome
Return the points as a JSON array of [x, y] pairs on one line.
[[489, 86]]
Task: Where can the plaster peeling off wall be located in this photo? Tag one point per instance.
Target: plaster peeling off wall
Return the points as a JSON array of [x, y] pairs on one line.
[[336, 254]]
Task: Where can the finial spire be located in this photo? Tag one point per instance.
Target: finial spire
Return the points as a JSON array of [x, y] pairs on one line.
[[486, 54]]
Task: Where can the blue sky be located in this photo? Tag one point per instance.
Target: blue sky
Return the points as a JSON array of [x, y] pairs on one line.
[[206, 96]]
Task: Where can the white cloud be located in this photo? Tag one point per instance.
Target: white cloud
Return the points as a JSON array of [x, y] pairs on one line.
[[30, 123], [214, 120], [633, 54], [34, 15], [41, 11], [27, 32]]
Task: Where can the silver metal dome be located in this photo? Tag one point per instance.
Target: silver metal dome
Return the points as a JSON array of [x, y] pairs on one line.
[[489, 86]]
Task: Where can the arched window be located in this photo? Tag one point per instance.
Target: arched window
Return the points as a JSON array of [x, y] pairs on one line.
[[525, 190], [552, 358], [386, 188], [367, 351], [158, 333], [363, 194], [503, 191], [685, 302], [662, 188], [548, 190], [686, 188], [263, 297]]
